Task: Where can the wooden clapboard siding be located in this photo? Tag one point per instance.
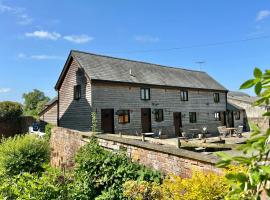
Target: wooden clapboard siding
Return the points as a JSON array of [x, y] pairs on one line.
[[109, 95], [49, 115], [75, 114]]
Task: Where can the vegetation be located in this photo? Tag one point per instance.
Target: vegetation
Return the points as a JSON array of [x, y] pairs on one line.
[[104, 172], [48, 131], [10, 110], [23, 154], [202, 186], [34, 102], [252, 182]]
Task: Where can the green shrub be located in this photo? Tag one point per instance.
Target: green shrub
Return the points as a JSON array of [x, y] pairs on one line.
[[48, 131], [10, 110], [105, 172], [26, 153], [31, 186]]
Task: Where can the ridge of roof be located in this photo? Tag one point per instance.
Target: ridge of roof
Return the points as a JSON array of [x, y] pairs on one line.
[[137, 61]]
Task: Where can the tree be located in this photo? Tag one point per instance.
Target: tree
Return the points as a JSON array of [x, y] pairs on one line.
[[34, 102], [10, 110], [253, 180]]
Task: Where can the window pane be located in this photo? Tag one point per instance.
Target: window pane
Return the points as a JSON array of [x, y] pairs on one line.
[[142, 94], [147, 94]]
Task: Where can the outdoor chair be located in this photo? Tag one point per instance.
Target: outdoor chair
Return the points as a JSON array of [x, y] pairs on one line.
[[223, 131], [239, 131], [159, 134]]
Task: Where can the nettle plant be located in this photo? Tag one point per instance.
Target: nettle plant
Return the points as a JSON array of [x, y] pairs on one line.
[[253, 181]]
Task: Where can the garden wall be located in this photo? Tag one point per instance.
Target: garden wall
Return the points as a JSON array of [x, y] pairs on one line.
[[65, 143]]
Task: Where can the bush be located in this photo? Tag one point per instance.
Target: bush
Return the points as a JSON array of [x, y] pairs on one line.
[[48, 131], [31, 186], [26, 153], [105, 172], [10, 110], [202, 186]]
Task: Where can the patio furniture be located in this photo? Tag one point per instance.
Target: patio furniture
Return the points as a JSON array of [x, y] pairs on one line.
[[239, 131], [149, 134], [159, 134], [203, 133], [194, 132], [231, 130], [223, 131]]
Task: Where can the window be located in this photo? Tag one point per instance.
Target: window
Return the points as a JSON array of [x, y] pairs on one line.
[[216, 97], [192, 117], [77, 92], [145, 93], [184, 95], [217, 116], [158, 115], [237, 115], [123, 116]]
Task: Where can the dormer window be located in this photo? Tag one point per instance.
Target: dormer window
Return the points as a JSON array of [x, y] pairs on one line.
[[145, 93]]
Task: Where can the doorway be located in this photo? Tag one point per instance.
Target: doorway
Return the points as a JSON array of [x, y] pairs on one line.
[[146, 120], [177, 121], [107, 120]]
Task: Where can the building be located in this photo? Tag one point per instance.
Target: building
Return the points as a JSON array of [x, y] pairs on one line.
[[246, 112], [49, 112], [133, 97]]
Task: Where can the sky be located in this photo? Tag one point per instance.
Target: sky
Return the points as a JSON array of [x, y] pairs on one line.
[[230, 37]]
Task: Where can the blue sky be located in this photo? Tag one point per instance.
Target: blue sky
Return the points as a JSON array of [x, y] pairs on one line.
[[36, 37]]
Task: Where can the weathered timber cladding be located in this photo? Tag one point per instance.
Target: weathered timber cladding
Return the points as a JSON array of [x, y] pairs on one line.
[[50, 115], [108, 95], [75, 114]]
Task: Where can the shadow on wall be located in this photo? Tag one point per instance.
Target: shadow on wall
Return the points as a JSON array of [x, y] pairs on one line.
[[78, 114]]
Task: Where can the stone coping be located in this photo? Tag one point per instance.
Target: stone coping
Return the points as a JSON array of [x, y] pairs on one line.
[[161, 148]]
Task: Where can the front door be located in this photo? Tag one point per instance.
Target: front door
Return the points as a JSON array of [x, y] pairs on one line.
[[107, 120], [230, 119], [177, 120], [223, 118], [146, 120]]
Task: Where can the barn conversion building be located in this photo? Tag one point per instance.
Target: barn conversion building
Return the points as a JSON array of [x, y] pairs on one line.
[[134, 97]]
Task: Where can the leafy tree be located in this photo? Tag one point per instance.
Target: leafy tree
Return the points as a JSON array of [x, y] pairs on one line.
[[34, 102], [252, 182], [10, 110]]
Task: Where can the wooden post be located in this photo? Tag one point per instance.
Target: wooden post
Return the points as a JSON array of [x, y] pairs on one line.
[[120, 134]]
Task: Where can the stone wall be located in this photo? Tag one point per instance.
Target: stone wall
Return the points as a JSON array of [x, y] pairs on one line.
[[65, 143]]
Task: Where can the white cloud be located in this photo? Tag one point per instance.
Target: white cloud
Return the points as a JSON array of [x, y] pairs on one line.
[[22, 17], [5, 90], [78, 39], [39, 57], [44, 35], [46, 57], [146, 38], [263, 14]]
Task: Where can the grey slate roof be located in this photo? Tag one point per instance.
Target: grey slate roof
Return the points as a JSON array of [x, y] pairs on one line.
[[233, 107], [99, 67], [51, 101]]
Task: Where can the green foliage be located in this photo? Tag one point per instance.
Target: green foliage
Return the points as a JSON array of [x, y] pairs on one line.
[[31, 186], [26, 153], [48, 131], [34, 102], [94, 122], [10, 110], [105, 172], [250, 184], [201, 186]]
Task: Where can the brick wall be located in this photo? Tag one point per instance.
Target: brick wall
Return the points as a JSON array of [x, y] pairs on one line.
[[65, 143]]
